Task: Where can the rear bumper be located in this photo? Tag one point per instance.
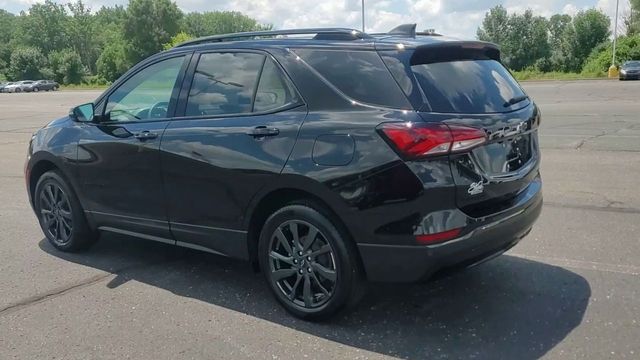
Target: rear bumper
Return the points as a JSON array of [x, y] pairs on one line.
[[483, 239]]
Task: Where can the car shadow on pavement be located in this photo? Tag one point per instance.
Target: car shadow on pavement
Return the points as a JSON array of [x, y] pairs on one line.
[[507, 308]]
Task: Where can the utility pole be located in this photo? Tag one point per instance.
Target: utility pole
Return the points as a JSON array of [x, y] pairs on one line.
[[362, 15], [615, 34], [613, 69]]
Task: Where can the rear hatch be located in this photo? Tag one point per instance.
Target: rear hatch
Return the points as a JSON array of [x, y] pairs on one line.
[[465, 85]]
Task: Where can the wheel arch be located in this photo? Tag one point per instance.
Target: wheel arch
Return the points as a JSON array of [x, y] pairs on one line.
[[40, 163], [291, 190]]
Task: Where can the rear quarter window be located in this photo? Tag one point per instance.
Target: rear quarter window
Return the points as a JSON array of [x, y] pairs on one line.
[[360, 75], [468, 86]]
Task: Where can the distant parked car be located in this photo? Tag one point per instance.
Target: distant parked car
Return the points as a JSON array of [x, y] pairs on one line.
[[18, 86], [2, 86], [630, 70], [42, 85]]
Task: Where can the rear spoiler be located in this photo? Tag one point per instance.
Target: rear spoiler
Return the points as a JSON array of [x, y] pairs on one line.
[[454, 51]]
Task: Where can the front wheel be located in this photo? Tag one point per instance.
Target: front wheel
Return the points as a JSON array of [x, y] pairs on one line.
[[311, 265], [36, 89], [61, 217]]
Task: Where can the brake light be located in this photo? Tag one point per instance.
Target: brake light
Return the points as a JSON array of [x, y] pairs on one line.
[[413, 140], [428, 239]]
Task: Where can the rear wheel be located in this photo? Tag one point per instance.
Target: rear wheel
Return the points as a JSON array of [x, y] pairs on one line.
[[310, 264], [61, 217], [35, 89]]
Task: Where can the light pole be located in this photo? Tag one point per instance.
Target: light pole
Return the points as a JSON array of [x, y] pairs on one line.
[[613, 69], [362, 15], [615, 34]]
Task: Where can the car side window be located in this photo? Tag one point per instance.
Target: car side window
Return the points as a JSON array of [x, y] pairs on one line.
[[274, 90], [146, 95], [224, 83]]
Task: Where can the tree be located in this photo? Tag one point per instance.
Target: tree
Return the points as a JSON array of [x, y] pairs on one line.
[[66, 66], [44, 27], [219, 22], [82, 34], [26, 63], [523, 38], [632, 19], [149, 24], [113, 61], [588, 29], [598, 62], [557, 25], [178, 39]]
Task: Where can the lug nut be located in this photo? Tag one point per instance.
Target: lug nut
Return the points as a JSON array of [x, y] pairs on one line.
[[300, 253], [295, 261], [308, 269], [300, 271], [309, 258]]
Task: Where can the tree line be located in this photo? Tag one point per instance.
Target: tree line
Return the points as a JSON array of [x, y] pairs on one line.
[[72, 44], [562, 43]]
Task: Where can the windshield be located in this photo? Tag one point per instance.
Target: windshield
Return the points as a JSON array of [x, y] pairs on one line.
[[633, 64], [469, 87]]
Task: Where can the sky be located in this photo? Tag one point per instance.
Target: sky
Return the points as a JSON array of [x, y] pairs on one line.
[[458, 18]]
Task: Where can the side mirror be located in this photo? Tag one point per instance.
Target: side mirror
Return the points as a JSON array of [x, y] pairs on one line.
[[82, 113]]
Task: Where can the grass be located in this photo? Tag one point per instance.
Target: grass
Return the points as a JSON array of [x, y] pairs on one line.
[[83, 87], [555, 75]]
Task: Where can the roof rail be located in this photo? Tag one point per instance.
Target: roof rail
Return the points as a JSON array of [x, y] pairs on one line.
[[320, 34]]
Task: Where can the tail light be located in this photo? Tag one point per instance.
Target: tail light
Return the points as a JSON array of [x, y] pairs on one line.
[[414, 140], [428, 239]]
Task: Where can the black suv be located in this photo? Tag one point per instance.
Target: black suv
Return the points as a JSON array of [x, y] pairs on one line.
[[327, 156]]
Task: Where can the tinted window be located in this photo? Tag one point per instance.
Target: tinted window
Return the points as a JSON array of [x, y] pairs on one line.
[[361, 75], [468, 86], [146, 94], [224, 83], [274, 91]]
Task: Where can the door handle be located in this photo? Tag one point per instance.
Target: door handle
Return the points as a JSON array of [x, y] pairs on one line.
[[262, 131], [145, 135]]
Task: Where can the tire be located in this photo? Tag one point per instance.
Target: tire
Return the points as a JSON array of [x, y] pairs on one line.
[[35, 89], [64, 224], [18, 90], [289, 275]]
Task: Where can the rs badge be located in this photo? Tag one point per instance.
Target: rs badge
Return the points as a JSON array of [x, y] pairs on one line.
[[476, 188]]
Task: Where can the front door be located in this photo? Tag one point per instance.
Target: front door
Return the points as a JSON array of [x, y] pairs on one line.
[[119, 155], [237, 128]]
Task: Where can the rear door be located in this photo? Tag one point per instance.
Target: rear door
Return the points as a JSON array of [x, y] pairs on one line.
[[239, 118]]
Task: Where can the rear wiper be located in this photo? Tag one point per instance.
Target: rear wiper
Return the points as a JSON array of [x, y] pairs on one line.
[[516, 100]]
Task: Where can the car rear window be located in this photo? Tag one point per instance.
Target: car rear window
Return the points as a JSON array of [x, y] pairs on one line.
[[361, 75], [468, 86]]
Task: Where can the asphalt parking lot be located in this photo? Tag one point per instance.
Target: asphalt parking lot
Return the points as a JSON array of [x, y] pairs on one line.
[[570, 290]]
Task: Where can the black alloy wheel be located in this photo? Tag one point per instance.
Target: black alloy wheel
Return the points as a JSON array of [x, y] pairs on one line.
[[55, 212], [302, 264], [309, 261], [60, 215]]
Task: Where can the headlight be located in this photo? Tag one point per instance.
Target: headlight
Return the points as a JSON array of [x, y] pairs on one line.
[[623, 71]]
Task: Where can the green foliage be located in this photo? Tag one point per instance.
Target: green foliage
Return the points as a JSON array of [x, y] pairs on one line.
[[74, 44], [219, 22], [113, 61], [66, 66], [149, 24], [523, 37], [44, 27], [561, 43], [628, 48], [178, 39], [26, 63], [632, 20]]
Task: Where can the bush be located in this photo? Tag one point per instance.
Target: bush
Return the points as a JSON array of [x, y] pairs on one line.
[[113, 61], [26, 63], [178, 39], [628, 48], [66, 66]]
